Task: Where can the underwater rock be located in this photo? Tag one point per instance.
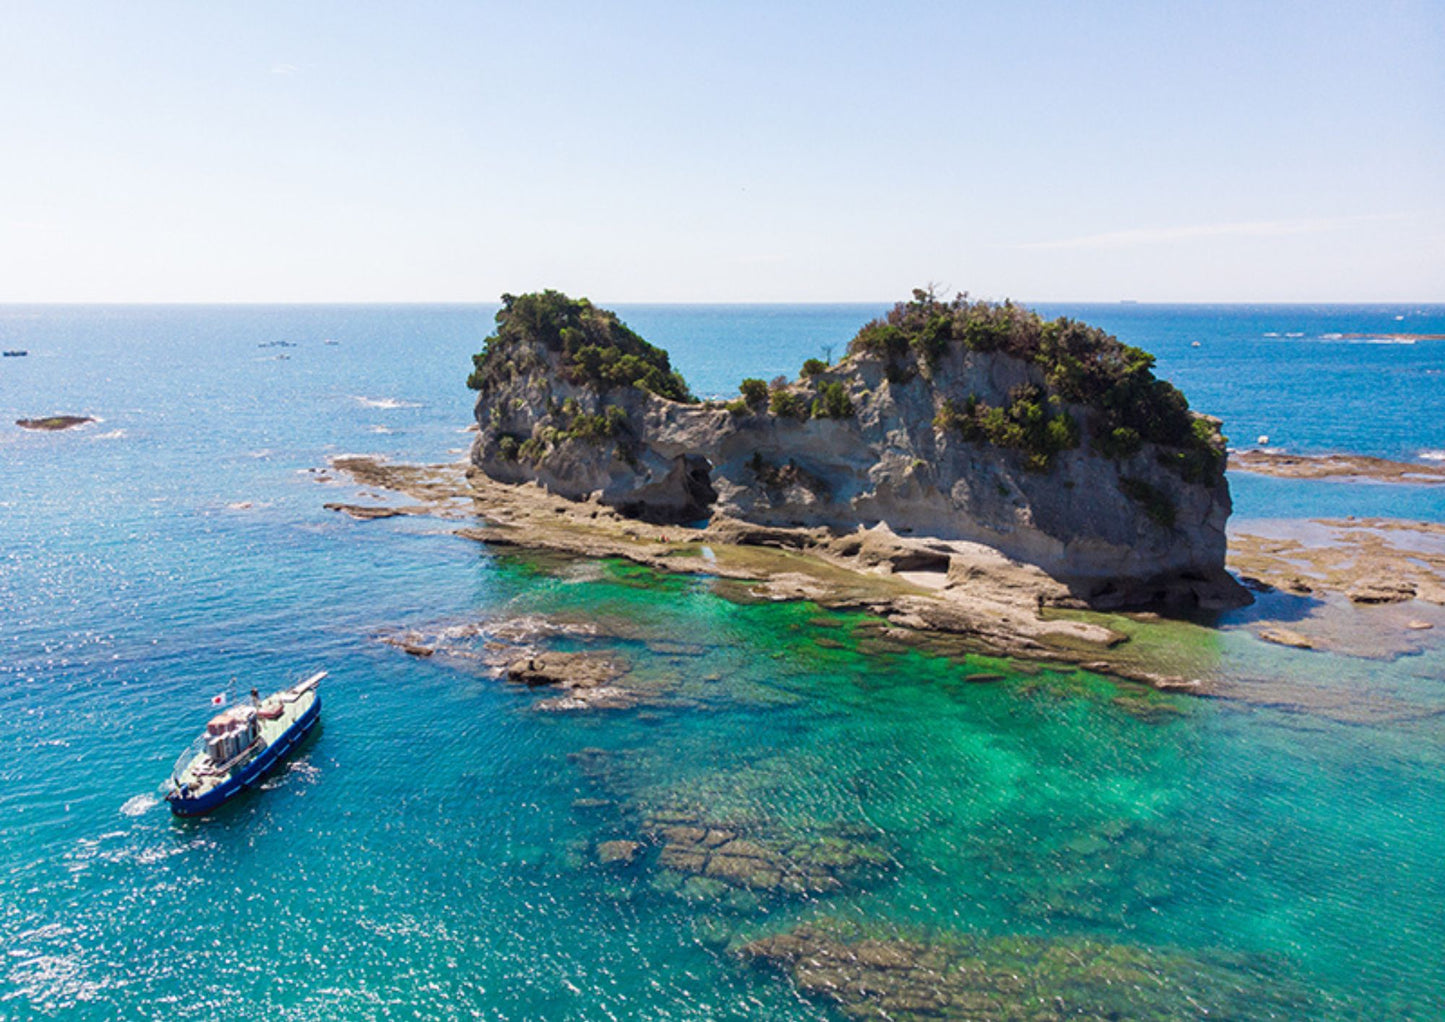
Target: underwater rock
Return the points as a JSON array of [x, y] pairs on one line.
[[761, 861], [624, 853], [1014, 979]]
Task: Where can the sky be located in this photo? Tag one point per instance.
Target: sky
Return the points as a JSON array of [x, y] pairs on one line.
[[439, 150]]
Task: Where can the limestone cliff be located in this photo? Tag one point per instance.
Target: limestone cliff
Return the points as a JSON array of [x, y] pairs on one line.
[[1050, 442]]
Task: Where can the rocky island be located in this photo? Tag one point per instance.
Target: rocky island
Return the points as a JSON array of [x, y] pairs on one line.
[[954, 428]]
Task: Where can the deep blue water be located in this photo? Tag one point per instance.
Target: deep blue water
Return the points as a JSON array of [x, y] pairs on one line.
[[425, 858]]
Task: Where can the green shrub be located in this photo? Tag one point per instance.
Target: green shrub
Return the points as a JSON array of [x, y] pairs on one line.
[[1157, 504], [787, 405], [610, 422], [1032, 423], [814, 366], [507, 448], [1204, 459], [881, 339], [832, 402], [738, 408], [1120, 442], [755, 392]]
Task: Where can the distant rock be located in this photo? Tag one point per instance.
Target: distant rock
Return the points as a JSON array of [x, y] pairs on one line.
[[52, 423], [1335, 466], [366, 513]]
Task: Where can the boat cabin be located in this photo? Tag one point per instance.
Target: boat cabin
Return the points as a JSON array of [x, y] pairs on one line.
[[231, 733]]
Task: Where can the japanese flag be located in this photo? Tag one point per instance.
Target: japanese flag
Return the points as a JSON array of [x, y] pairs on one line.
[[218, 700]]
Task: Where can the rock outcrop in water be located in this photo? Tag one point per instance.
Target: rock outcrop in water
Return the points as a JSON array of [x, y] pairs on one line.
[[966, 422]]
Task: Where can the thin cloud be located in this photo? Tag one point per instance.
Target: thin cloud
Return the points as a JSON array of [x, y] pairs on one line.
[[284, 69], [1166, 235]]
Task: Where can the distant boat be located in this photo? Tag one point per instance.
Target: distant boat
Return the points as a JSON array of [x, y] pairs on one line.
[[240, 745], [330, 341], [1263, 439], [17, 353], [1195, 344]]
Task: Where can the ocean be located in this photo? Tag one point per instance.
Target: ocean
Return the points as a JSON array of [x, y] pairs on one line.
[[432, 853]]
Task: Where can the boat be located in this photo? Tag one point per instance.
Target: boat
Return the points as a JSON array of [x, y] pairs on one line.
[[240, 744], [16, 353]]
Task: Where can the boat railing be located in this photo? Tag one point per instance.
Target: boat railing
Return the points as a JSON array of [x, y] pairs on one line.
[[188, 757]]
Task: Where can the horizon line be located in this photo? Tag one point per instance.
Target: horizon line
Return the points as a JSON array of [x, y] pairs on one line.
[[885, 302]]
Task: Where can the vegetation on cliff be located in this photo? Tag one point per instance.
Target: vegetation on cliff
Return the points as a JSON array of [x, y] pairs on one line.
[[596, 347], [1083, 365], [1032, 423]]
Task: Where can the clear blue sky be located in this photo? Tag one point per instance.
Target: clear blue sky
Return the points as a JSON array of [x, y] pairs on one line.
[[439, 150]]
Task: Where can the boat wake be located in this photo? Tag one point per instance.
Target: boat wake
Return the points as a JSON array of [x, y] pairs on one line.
[[384, 402], [139, 806]]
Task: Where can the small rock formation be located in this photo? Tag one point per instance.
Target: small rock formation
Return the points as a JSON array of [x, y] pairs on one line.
[[52, 423], [366, 512], [1379, 589], [1336, 466], [1049, 442], [584, 678], [1286, 637]]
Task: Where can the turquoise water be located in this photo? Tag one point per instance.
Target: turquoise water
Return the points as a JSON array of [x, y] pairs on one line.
[[432, 852]]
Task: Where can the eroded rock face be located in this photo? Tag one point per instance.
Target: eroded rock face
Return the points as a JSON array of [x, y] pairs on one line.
[[1098, 522]]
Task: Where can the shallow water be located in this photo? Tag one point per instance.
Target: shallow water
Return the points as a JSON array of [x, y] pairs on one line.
[[431, 854]]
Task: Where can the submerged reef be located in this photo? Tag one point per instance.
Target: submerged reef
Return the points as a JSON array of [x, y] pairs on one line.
[[1051, 443], [1019, 979]]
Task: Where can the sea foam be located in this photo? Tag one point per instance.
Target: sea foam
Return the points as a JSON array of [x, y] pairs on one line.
[[384, 402]]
